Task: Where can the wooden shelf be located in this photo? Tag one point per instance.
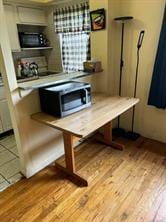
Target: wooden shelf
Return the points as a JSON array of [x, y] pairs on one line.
[[32, 24], [50, 80], [29, 49], [37, 48]]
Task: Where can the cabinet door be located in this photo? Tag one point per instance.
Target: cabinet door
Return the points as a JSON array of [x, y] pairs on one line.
[[12, 27], [33, 16], [5, 116]]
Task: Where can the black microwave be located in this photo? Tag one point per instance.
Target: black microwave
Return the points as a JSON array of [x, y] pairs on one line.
[[32, 40], [64, 99]]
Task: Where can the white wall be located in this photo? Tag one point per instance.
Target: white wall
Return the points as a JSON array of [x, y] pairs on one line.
[[148, 15], [99, 47]]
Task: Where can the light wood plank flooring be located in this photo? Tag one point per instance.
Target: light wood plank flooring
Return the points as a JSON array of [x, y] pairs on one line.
[[127, 185]]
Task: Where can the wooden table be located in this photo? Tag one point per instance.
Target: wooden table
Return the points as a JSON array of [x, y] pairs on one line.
[[81, 124]]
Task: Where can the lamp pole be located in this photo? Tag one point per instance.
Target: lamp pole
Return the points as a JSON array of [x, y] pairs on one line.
[[119, 131]]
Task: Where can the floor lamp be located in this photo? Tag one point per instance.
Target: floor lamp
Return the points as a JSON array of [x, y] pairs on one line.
[[132, 135], [119, 131]]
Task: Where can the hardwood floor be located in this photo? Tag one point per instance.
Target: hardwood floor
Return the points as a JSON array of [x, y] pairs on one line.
[[127, 185]]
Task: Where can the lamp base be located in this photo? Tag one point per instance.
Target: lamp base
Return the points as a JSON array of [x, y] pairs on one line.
[[118, 132], [132, 135]]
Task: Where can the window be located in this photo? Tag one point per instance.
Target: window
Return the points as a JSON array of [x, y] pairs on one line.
[[73, 25]]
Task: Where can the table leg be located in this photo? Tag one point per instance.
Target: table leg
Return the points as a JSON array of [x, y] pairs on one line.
[[69, 152], [107, 137], [70, 159]]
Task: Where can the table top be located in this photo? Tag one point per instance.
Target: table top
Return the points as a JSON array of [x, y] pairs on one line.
[[104, 109]]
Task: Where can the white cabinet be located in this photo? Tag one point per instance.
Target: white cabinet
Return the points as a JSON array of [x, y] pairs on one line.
[[27, 15], [12, 27], [5, 120]]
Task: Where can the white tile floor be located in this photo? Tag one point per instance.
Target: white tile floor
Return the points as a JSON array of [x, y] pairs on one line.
[[9, 162]]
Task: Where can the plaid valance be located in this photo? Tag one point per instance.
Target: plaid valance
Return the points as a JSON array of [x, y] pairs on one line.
[[74, 18]]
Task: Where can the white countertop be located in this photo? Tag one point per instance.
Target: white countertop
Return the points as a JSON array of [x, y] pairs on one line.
[[52, 79]]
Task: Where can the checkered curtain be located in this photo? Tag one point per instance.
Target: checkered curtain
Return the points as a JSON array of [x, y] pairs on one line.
[[73, 25], [75, 50], [74, 18]]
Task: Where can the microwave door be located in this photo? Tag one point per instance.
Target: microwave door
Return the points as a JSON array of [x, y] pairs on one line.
[[71, 101], [29, 40], [74, 99]]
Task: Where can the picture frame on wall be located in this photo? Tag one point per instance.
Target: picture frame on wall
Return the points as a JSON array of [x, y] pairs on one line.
[[98, 19]]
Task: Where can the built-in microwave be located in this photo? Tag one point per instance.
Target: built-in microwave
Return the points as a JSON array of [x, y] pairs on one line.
[[32, 40], [64, 99]]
